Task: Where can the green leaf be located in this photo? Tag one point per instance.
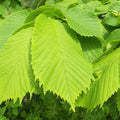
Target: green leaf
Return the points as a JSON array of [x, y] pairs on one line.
[[83, 22], [66, 3], [113, 16], [102, 9], [14, 6], [118, 100], [85, 1], [16, 76], [51, 11], [115, 6], [24, 26], [94, 4], [107, 72], [91, 47], [113, 39], [114, 36], [57, 59], [1, 19], [9, 25], [49, 2], [111, 20], [3, 7], [2, 111]]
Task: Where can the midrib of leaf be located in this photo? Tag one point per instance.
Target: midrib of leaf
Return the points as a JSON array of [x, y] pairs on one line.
[[62, 57], [15, 65]]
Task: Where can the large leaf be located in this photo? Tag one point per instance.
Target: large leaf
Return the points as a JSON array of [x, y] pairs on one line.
[[91, 47], [15, 70], [57, 59], [83, 22], [10, 25], [108, 81]]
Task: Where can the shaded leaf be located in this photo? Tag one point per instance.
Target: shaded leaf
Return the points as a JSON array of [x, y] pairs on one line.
[[118, 100], [91, 47]]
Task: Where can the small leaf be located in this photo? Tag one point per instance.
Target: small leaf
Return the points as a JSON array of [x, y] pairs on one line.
[[84, 22]]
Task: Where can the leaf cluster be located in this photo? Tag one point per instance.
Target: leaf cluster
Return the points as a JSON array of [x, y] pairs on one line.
[[70, 48], [51, 107]]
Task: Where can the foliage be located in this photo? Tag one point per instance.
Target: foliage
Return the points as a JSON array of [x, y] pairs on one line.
[[51, 107], [67, 47]]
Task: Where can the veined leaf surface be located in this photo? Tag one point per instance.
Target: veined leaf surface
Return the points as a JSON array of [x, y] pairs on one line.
[[107, 83], [83, 22], [10, 25], [16, 76], [57, 59]]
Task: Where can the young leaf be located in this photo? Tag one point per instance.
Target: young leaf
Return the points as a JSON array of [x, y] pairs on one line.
[[10, 25], [57, 59], [83, 22], [107, 83], [16, 76]]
